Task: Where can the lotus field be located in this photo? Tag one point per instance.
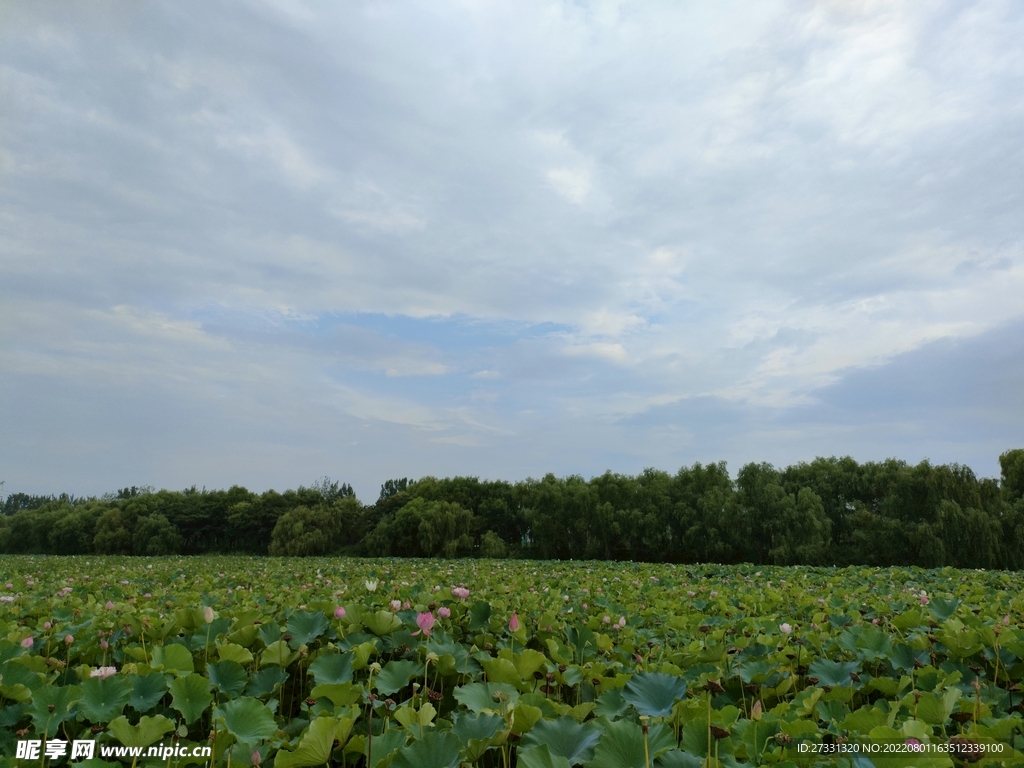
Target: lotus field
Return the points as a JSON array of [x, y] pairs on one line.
[[424, 664]]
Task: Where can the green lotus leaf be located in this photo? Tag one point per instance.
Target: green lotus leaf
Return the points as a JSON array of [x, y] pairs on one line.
[[278, 654], [18, 681], [653, 693], [935, 708], [173, 658], [864, 719], [905, 658], [611, 704], [435, 750], [339, 694], [564, 737], [306, 626], [676, 758], [694, 739], [480, 727], [960, 641], [540, 757], [907, 620], [247, 719], [269, 633], [479, 615], [147, 690], [395, 676], [191, 695], [833, 673], [415, 720], [755, 671], [51, 706], [524, 717], [832, 711], [622, 745], [382, 623], [314, 746], [235, 653], [502, 671], [943, 609], [528, 662], [756, 735], [148, 731], [265, 682], [103, 699], [229, 677], [487, 697], [332, 668], [873, 644], [382, 746]]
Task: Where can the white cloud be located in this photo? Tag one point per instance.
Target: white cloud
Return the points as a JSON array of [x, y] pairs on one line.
[[571, 183], [590, 210]]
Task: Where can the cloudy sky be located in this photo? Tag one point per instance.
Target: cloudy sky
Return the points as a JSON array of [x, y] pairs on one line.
[[259, 243]]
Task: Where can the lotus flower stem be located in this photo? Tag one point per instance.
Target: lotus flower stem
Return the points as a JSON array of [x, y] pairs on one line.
[[644, 719], [709, 729]]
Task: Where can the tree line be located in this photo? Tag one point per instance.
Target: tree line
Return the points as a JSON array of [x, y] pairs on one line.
[[830, 511]]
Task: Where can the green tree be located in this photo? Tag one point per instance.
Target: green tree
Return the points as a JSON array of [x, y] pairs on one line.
[[303, 531], [443, 529], [1012, 481], [154, 535], [113, 536]]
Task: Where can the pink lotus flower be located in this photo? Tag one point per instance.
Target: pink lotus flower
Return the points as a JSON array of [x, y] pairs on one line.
[[47, 625], [786, 628], [444, 612], [924, 599], [103, 672], [104, 644], [460, 592], [606, 619], [396, 605], [69, 639], [339, 612], [208, 614], [513, 623], [425, 621], [1006, 620], [257, 758], [28, 642]]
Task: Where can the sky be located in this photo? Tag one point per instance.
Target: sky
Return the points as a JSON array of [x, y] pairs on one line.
[[259, 243]]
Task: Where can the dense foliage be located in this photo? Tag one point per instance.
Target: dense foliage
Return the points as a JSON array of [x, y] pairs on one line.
[[826, 512], [291, 663]]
